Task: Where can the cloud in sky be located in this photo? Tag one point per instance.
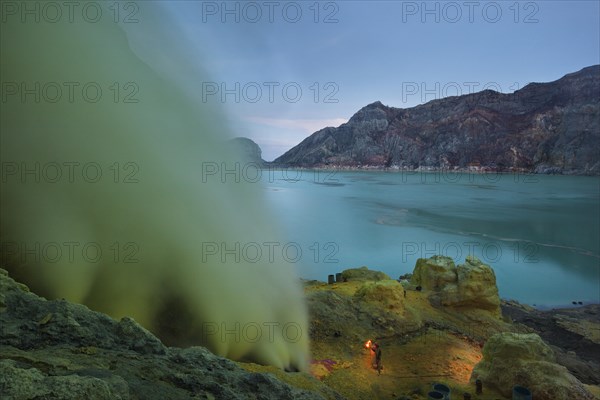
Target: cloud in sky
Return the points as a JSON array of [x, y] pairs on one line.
[[308, 125], [277, 135], [402, 53]]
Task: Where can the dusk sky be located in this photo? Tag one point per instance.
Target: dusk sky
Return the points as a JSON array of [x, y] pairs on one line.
[[344, 55]]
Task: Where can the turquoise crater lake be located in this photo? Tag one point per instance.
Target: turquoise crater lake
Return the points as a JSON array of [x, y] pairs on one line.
[[540, 233]]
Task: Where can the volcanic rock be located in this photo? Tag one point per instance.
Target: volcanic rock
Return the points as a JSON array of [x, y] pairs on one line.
[[549, 127], [511, 359], [388, 294], [471, 285], [250, 151], [363, 274], [59, 350]]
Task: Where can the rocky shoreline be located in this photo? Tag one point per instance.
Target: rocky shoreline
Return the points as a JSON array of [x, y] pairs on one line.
[[433, 170]]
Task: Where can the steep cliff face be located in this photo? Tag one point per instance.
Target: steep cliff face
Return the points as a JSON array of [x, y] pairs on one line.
[[544, 128], [251, 151]]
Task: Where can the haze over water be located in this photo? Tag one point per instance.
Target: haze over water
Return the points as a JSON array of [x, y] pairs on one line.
[[539, 233]]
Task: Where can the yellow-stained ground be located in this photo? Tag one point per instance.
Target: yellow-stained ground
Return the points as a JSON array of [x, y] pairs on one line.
[[411, 366]]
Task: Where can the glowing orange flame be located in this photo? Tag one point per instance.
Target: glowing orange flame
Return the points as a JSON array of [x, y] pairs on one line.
[[368, 344]]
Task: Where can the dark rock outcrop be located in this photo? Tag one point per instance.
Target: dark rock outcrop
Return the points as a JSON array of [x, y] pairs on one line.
[[251, 151], [543, 128], [59, 350]]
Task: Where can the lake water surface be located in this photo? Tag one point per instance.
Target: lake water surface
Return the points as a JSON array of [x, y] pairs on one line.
[[539, 233]]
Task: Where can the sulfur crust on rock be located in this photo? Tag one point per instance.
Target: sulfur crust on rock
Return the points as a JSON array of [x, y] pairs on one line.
[[387, 293], [434, 273], [511, 359], [471, 285]]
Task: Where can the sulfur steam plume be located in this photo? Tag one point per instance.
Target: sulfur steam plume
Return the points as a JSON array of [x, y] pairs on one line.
[[106, 200]]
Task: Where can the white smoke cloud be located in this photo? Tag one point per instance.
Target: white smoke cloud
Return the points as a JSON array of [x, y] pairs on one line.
[[131, 146]]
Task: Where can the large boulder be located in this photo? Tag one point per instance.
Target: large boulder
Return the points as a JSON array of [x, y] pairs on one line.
[[387, 293], [476, 285], [511, 359], [363, 274], [472, 284], [434, 273]]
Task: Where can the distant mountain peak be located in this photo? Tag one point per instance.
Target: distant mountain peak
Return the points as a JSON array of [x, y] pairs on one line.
[[549, 127], [375, 104]]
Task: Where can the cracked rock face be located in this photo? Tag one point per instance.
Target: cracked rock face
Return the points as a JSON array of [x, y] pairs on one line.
[[59, 350]]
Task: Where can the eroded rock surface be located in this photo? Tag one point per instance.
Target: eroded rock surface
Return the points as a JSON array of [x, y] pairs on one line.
[[59, 350]]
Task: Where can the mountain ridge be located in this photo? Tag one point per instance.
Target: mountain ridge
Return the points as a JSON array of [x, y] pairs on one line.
[[551, 127]]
